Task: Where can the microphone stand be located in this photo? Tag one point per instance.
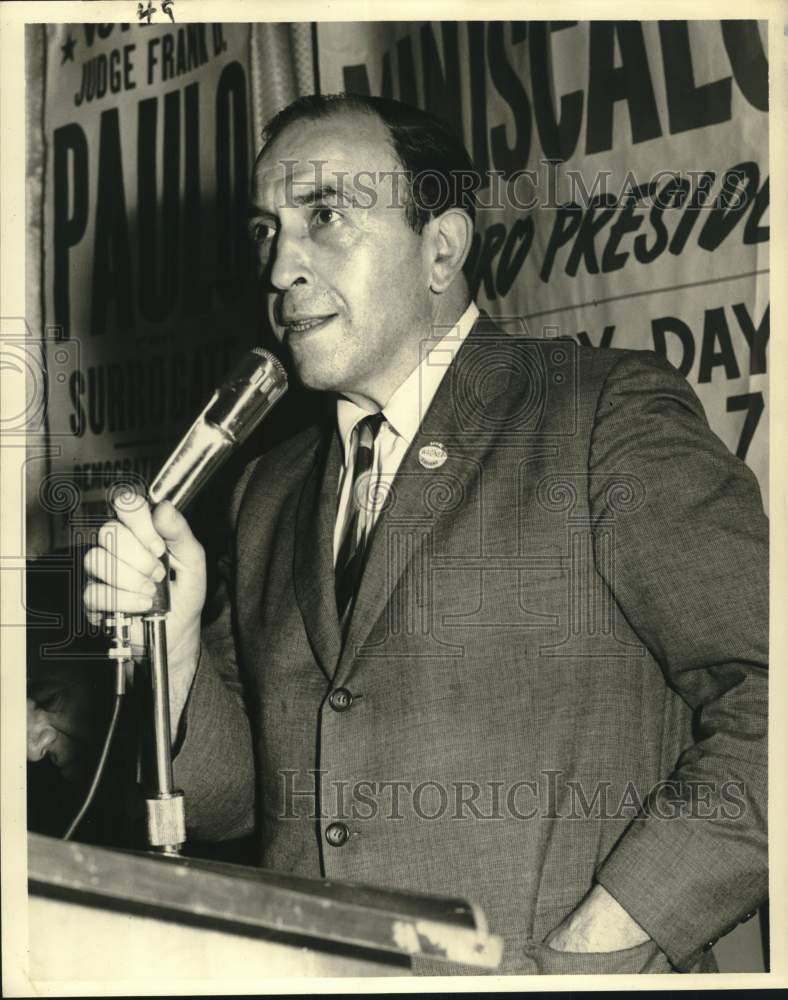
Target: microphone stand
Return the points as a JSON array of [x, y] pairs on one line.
[[164, 803]]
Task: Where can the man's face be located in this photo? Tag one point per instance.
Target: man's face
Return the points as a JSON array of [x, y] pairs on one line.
[[348, 278]]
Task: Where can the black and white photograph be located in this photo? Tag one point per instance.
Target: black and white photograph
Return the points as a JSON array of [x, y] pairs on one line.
[[389, 472]]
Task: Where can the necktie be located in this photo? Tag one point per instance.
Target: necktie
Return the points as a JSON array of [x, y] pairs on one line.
[[350, 558]]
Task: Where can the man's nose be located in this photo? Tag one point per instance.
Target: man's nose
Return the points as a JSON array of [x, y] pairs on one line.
[[290, 264]]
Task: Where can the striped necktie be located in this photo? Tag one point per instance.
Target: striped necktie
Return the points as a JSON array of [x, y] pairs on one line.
[[350, 558]]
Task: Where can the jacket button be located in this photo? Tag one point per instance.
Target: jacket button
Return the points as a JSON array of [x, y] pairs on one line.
[[337, 834], [748, 916], [709, 945], [340, 699]]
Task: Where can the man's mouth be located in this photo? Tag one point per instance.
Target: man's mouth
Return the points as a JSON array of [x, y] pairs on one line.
[[306, 323]]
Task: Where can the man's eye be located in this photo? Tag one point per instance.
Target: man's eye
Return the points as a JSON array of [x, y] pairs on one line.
[[325, 216], [261, 232]]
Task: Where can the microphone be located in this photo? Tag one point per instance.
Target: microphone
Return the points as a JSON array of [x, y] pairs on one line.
[[249, 393], [232, 413]]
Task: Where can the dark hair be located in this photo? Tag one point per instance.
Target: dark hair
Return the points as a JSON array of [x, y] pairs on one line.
[[439, 173]]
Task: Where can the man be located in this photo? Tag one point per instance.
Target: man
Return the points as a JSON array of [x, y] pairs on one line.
[[478, 634]]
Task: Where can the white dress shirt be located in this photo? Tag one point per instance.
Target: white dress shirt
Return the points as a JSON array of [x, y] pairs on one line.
[[403, 414]]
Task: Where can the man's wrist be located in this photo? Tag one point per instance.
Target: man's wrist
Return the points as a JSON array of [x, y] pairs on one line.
[[182, 671]]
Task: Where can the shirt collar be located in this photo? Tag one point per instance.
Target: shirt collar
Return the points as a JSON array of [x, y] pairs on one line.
[[409, 403]]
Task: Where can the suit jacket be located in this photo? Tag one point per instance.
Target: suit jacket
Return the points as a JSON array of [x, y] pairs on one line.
[[555, 671]]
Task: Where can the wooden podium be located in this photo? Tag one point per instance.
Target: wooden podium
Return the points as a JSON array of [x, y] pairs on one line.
[[99, 917]]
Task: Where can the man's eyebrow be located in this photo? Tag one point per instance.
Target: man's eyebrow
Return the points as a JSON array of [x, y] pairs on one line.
[[298, 199], [255, 212], [318, 192]]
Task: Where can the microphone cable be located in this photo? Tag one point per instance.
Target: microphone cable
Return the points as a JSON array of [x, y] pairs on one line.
[[120, 690]]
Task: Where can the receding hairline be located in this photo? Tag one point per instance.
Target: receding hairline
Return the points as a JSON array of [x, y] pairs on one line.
[[333, 111]]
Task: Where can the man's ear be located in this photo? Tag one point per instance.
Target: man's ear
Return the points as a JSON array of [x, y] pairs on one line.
[[451, 235]]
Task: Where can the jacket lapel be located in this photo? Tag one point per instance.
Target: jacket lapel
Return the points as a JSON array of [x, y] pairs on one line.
[[418, 494], [313, 557]]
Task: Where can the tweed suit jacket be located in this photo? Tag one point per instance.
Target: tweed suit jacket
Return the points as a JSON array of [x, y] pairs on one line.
[[556, 667]]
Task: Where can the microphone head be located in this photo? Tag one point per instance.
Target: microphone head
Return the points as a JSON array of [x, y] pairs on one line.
[[272, 361], [236, 408], [247, 395]]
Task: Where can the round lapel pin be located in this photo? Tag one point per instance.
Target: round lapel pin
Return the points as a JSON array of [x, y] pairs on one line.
[[433, 455]]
